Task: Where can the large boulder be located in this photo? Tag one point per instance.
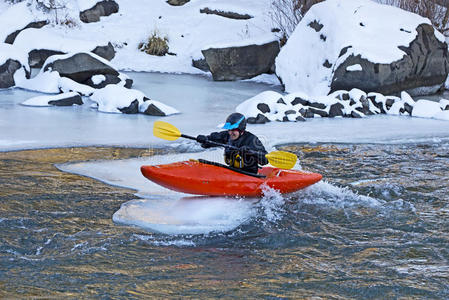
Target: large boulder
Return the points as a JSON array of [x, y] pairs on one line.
[[423, 70], [101, 9], [236, 63], [80, 67], [364, 45]]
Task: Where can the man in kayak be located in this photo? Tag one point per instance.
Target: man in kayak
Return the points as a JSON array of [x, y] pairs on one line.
[[235, 135]]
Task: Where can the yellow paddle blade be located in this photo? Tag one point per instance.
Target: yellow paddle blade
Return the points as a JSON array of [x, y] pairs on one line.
[[166, 131], [281, 159]]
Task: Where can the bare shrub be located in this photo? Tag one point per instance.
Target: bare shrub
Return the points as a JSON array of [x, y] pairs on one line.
[[286, 14], [431, 9], [156, 45]]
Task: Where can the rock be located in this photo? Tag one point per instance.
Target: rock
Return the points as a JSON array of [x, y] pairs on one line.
[[67, 101], [38, 24], [133, 108], [236, 63], [426, 64], [336, 110], [259, 119], [201, 64], [80, 67], [299, 100], [421, 64], [101, 9], [108, 79], [177, 2], [408, 108], [226, 14], [7, 71], [355, 115], [390, 100], [319, 112], [317, 105], [107, 52], [300, 119], [444, 104], [281, 101], [37, 57], [153, 110], [308, 114], [290, 111], [263, 107]]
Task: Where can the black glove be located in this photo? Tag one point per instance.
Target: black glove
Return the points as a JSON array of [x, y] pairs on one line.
[[244, 150], [201, 139]]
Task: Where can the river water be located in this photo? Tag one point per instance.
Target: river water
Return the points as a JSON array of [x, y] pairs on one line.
[[376, 227]]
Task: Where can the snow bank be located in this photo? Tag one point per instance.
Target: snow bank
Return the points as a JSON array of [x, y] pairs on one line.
[[330, 26]]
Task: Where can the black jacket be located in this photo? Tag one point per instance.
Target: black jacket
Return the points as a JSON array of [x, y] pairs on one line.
[[233, 157]]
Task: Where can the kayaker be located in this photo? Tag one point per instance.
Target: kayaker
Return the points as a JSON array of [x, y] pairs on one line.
[[237, 136]]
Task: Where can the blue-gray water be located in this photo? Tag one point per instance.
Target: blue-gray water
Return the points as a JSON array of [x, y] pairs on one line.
[[377, 228]]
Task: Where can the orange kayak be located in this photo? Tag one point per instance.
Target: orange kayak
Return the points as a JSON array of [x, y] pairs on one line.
[[194, 177]]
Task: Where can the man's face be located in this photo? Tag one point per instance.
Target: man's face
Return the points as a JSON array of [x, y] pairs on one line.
[[234, 134]]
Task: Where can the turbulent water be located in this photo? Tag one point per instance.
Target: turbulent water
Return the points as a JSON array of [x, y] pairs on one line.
[[375, 227]]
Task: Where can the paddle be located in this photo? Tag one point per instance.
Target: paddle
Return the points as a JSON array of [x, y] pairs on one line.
[[279, 159]]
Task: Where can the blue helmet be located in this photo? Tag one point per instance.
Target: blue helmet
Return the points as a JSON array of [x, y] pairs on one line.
[[235, 121]]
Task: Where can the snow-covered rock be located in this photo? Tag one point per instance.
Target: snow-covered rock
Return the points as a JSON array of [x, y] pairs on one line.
[[272, 106], [79, 66], [14, 19], [64, 99], [13, 66], [42, 43], [99, 9], [335, 37], [118, 99]]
